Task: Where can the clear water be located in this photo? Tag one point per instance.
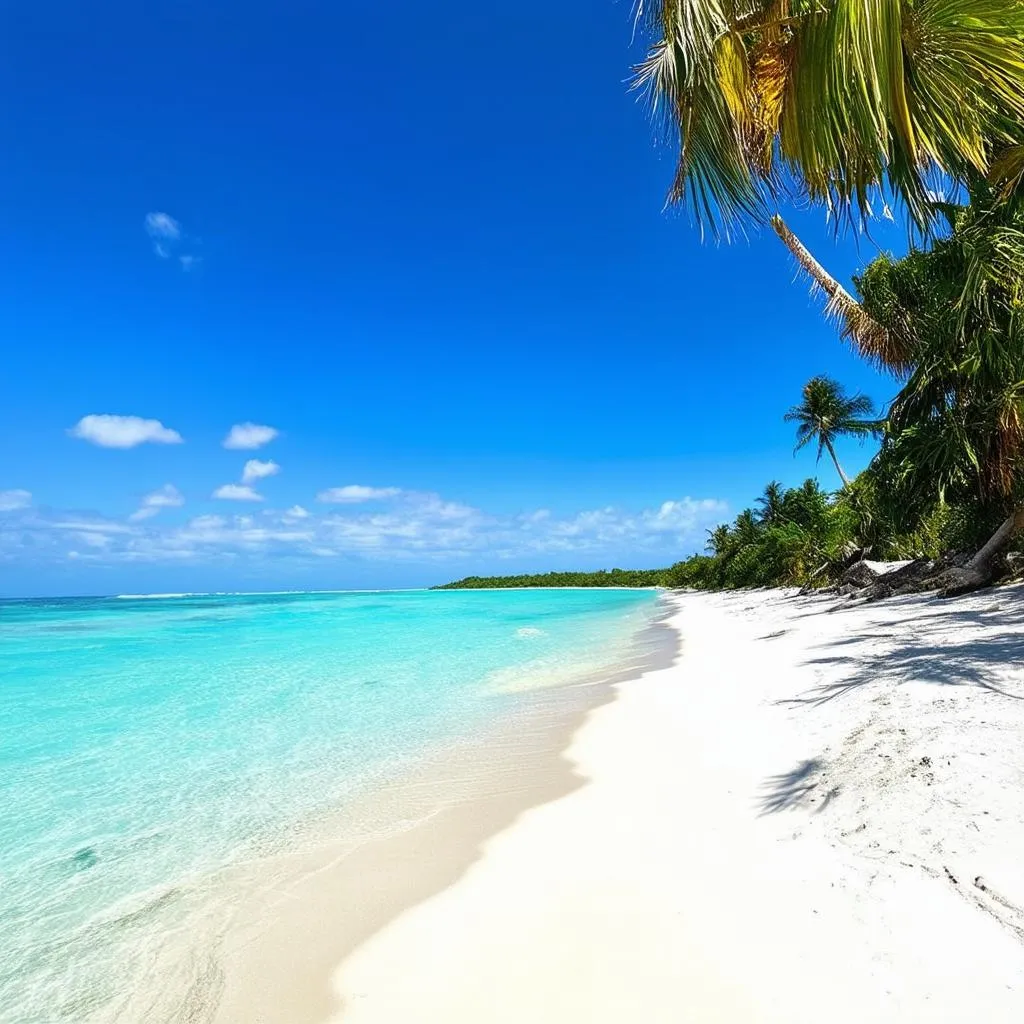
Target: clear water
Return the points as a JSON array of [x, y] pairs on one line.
[[145, 744]]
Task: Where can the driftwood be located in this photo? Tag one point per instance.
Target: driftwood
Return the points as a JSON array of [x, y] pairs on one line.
[[849, 555], [952, 575], [860, 574], [910, 579], [988, 566]]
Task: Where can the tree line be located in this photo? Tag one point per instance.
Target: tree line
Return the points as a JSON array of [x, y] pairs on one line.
[[601, 578]]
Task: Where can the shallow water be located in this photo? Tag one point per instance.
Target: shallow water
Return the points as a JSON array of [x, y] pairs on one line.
[[148, 744]]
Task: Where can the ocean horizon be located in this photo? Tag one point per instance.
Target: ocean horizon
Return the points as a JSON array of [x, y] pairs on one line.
[[149, 743]]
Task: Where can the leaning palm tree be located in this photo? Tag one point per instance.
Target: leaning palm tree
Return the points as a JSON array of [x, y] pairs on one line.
[[843, 102], [886, 349], [827, 413]]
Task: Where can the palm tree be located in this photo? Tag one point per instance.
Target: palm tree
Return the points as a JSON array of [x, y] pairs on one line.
[[884, 348], [842, 102], [772, 503], [746, 529], [827, 413], [947, 320], [718, 539]]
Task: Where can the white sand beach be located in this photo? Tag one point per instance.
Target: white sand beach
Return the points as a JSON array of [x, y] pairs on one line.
[[785, 826], [817, 813]]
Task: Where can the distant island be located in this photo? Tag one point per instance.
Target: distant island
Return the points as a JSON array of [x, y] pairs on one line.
[[601, 578]]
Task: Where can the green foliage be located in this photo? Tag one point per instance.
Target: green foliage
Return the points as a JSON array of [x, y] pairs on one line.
[[786, 539], [827, 413], [805, 535], [833, 100], [955, 430], [601, 578]]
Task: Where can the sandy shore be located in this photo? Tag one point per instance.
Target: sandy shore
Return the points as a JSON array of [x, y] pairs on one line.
[[812, 815], [296, 917]]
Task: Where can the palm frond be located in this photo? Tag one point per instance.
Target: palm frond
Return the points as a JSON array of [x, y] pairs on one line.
[[835, 100]]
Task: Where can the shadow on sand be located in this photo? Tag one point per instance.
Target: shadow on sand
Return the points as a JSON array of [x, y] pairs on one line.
[[936, 646]]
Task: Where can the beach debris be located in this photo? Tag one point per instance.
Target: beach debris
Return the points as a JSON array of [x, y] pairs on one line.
[[860, 574]]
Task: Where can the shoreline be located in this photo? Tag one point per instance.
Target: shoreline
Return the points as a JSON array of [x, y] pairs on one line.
[[296, 916], [810, 816]]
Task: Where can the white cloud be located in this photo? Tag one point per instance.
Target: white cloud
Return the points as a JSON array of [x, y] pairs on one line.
[[123, 431], [90, 526], [257, 470], [414, 526], [167, 496], [237, 492], [353, 494], [249, 436], [12, 501], [169, 239], [94, 540], [162, 225]]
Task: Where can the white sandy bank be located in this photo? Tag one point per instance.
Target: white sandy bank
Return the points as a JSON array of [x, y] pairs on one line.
[[737, 857]]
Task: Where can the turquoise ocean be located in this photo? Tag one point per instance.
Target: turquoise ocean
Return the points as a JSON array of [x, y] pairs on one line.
[[147, 744]]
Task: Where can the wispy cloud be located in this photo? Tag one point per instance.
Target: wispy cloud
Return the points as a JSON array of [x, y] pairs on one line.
[[123, 431], [416, 527], [257, 470], [162, 225], [247, 436], [167, 496], [354, 494], [169, 239], [237, 492], [12, 501]]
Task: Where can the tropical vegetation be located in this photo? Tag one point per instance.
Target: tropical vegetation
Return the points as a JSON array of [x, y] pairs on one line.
[[907, 109], [837, 102], [827, 413], [601, 578], [867, 108]]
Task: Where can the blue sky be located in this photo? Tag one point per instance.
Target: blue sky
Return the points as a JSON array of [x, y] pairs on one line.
[[426, 246]]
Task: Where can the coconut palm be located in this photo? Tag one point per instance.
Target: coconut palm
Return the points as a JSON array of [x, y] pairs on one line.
[[718, 539], [843, 102], [958, 305], [827, 413], [772, 503], [886, 349], [947, 319]]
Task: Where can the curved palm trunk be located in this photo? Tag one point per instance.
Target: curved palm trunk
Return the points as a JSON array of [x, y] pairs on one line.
[[836, 294], [835, 460], [873, 341]]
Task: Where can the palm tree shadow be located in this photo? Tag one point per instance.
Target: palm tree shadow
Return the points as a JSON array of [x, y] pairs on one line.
[[796, 788], [968, 646], [943, 647]]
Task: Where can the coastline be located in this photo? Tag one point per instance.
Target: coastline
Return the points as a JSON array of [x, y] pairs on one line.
[[300, 914], [809, 816]]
